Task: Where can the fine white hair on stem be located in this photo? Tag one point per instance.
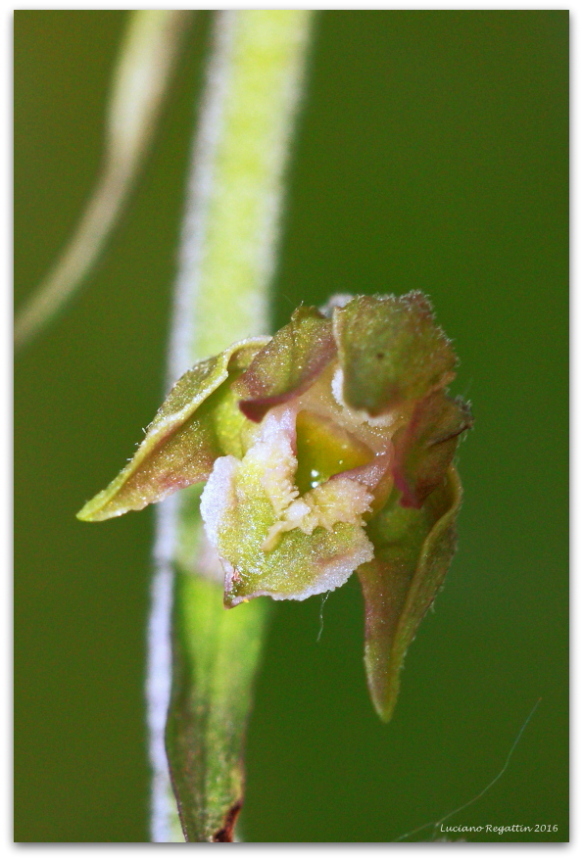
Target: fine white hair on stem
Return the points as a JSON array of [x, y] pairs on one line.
[[159, 662], [226, 261], [198, 197]]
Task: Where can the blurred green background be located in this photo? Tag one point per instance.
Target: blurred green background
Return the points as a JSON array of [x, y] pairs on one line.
[[432, 153]]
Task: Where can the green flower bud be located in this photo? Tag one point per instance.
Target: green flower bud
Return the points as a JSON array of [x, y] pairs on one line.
[[326, 450]]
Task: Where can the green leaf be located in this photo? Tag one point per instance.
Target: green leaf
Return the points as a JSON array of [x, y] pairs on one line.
[[288, 364], [215, 656], [391, 351], [413, 551], [184, 439]]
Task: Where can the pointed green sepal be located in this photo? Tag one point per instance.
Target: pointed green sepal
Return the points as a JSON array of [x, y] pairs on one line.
[[413, 551], [391, 351], [198, 422]]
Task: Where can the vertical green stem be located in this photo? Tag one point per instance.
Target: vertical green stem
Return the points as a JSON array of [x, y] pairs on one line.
[[228, 255]]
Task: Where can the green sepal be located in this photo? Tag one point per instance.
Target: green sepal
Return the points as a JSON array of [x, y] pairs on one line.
[[198, 422], [424, 448], [413, 551], [391, 351], [288, 364]]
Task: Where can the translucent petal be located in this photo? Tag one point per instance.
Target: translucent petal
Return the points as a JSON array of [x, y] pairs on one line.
[[288, 364]]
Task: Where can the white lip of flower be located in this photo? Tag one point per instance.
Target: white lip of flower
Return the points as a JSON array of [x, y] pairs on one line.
[[340, 499]]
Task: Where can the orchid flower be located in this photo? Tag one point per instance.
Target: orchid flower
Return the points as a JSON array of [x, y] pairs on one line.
[[326, 450]]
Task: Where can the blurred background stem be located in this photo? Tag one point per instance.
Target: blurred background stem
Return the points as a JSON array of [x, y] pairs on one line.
[[147, 58], [227, 258]]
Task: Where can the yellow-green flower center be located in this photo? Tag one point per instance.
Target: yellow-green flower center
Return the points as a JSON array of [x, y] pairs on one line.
[[325, 449]]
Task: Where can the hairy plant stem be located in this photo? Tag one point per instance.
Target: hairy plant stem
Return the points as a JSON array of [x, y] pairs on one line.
[[203, 661]]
